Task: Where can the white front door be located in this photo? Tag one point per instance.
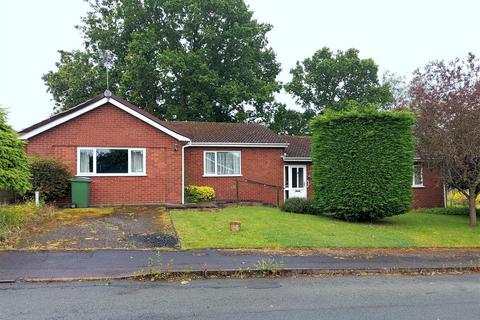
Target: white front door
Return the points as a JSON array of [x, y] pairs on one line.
[[295, 181]]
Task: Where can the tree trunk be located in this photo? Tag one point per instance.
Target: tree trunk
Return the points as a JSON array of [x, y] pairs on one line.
[[472, 207]]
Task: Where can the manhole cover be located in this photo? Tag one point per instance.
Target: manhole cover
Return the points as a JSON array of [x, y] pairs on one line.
[[155, 240]]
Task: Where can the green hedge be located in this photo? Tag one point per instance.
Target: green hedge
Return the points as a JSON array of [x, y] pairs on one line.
[[299, 205], [14, 169], [457, 211], [199, 193], [362, 163]]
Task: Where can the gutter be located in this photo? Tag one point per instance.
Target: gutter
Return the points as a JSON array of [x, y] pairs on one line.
[[297, 159], [239, 145]]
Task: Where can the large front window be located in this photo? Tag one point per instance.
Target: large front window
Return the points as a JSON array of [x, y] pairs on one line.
[[111, 161], [222, 163]]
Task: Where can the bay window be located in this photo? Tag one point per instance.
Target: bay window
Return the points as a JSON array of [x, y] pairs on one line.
[[222, 163], [111, 161]]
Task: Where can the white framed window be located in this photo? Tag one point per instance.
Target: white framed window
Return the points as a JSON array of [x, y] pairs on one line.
[[106, 161], [222, 163], [417, 181]]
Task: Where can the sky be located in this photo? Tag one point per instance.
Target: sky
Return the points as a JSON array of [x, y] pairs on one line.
[[399, 35]]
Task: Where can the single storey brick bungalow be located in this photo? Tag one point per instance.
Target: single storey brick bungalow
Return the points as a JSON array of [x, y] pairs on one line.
[[133, 157]]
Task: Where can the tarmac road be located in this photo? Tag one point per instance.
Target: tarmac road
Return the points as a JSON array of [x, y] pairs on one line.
[[438, 297]]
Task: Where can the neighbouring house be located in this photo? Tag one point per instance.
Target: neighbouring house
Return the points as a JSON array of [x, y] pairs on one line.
[[133, 157]]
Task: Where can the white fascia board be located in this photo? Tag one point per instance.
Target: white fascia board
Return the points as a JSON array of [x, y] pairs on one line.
[[239, 145], [61, 120], [96, 105]]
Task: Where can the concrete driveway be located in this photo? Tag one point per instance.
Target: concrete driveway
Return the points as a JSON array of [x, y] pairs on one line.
[[100, 228]]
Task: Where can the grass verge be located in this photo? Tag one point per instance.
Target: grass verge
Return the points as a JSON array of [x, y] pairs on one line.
[[13, 217]]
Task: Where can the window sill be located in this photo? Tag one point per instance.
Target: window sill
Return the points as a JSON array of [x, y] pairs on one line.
[[111, 175], [221, 176], [419, 186]]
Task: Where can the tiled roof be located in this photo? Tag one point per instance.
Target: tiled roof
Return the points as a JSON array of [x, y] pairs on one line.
[[223, 132], [206, 132], [299, 146]]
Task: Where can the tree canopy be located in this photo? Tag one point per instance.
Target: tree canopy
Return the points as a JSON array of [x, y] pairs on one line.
[[178, 59], [327, 80], [446, 97], [291, 122], [14, 168], [399, 88]]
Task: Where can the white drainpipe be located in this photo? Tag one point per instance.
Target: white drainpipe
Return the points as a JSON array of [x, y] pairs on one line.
[[183, 170]]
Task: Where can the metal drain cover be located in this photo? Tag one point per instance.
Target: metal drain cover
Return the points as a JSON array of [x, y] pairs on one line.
[[155, 240]]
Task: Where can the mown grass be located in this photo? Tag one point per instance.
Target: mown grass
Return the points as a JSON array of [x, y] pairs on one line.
[[271, 228], [13, 217]]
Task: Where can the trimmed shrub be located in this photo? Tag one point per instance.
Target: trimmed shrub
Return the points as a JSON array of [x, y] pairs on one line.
[[452, 211], [14, 170], [199, 193], [50, 177], [362, 163], [299, 205]]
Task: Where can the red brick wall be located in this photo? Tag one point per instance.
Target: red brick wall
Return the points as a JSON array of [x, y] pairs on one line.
[[108, 126], [260, 164], [432, 194]]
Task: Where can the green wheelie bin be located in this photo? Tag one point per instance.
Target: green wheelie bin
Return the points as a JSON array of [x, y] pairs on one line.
[[80, 192]]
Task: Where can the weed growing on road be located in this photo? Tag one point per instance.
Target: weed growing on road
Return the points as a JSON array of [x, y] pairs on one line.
[[157, 270]]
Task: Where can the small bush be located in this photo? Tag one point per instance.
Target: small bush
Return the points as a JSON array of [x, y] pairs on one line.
[[299, 205], [453, 211], [458, 199], [199, 193], [362, 163], [50, 177]]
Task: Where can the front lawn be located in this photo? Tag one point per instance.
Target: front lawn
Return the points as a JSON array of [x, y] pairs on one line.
[[271, 228]]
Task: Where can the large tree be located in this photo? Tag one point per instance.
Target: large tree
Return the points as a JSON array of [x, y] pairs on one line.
[[328, 80], [178, 59], [291, 122], [14, 168], [400, 91], [446, 97]]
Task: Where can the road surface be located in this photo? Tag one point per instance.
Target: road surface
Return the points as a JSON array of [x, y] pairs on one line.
[[440, 297]]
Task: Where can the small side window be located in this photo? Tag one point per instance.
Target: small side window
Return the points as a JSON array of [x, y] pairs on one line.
[[417, 175]]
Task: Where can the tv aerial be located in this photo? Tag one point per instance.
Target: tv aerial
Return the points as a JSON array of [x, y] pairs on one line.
[[108, 59]]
